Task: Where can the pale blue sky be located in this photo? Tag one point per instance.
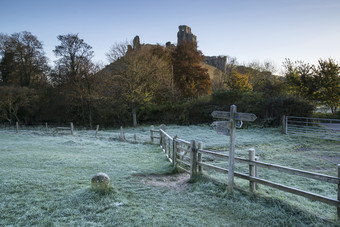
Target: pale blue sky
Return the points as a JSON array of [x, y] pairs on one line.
[[246, 29]]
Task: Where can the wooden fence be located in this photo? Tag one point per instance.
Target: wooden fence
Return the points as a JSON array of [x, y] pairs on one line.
[[46, 127], [71, 128], [62, 130], [187, 156], [320, 128]]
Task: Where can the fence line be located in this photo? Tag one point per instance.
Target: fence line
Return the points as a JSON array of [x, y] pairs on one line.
[[187, 156], [57, 128], [321, 128]]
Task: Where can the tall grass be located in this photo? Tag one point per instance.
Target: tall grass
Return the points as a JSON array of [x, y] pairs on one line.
[[45, 181]]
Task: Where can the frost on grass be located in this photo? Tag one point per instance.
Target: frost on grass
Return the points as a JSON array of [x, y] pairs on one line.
[[142, 187], [177, 182]]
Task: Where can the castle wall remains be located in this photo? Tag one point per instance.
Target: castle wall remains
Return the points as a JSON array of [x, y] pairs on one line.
[[219, 62]]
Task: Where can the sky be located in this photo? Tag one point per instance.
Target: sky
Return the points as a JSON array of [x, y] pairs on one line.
[[250, 30]]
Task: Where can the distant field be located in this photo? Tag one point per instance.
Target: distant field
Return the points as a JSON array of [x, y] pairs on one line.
[[45, 181]]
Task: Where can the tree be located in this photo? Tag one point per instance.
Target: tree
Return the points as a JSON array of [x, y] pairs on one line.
[[319, 84], [261, 78], [328, 78], [220, 78], [238, 82], [74, 55], [189, 77], [12, 100], [75, 72], [23, 61], [117, 51], [266, 66], [139, 76], [300, 78]]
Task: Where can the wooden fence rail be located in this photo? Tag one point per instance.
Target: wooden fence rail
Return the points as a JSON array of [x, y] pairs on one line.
[[187, 156], [71, 128]]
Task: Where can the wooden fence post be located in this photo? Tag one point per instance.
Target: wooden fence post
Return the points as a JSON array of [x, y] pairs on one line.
[[122, 134], [160, 138], [17, 126], [283, 122], [233, 110], [151, 133], [97, 130], [193, 158], [251, 169], [72, 128], [257, 158], [199, 157], [338, 208], [166, 142], [46, 127], [161, 141], [169, 147], [174, 150], [286, 125]]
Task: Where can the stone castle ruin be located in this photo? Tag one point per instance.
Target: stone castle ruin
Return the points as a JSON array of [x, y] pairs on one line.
[[185, 34], [219, 62]]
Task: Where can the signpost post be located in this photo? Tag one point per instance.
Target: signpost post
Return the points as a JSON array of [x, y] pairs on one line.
[[233, 110], [222, 128]]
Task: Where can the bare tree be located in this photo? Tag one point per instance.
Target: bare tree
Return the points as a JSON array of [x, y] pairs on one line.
[[117, 51], [266, 66]]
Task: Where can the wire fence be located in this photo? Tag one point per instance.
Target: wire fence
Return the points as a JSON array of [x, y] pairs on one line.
[[321, 128]]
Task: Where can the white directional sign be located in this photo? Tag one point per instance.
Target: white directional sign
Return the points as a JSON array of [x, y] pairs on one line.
[[221, 127], [238, 116], [220, 114]]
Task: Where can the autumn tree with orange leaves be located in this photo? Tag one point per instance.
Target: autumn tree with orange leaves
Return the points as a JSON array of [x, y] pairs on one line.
[[189, 76]]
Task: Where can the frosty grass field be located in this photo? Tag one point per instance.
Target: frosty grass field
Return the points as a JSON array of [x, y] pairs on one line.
[[45, 180]]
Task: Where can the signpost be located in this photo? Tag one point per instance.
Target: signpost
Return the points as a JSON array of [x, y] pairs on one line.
[[238, 116], [221, 127], [229, 128]]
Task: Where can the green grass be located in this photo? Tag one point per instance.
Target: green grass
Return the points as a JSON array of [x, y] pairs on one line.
[[45, 180]]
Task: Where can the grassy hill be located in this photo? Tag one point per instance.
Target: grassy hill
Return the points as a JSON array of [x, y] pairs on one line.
[[213, 71]]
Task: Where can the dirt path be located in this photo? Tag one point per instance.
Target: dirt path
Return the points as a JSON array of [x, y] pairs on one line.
[[174, 181]]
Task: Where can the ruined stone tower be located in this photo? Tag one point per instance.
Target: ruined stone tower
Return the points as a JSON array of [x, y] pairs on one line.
[[184, 34]]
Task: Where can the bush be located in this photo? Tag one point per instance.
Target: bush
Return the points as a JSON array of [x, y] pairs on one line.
[[288, 105], [226, 97], [197, 111]]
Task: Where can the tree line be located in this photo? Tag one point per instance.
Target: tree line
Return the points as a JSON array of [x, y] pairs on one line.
[[148, 83]]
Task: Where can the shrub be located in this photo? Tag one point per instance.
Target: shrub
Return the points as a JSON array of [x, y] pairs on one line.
[[197, 111]]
